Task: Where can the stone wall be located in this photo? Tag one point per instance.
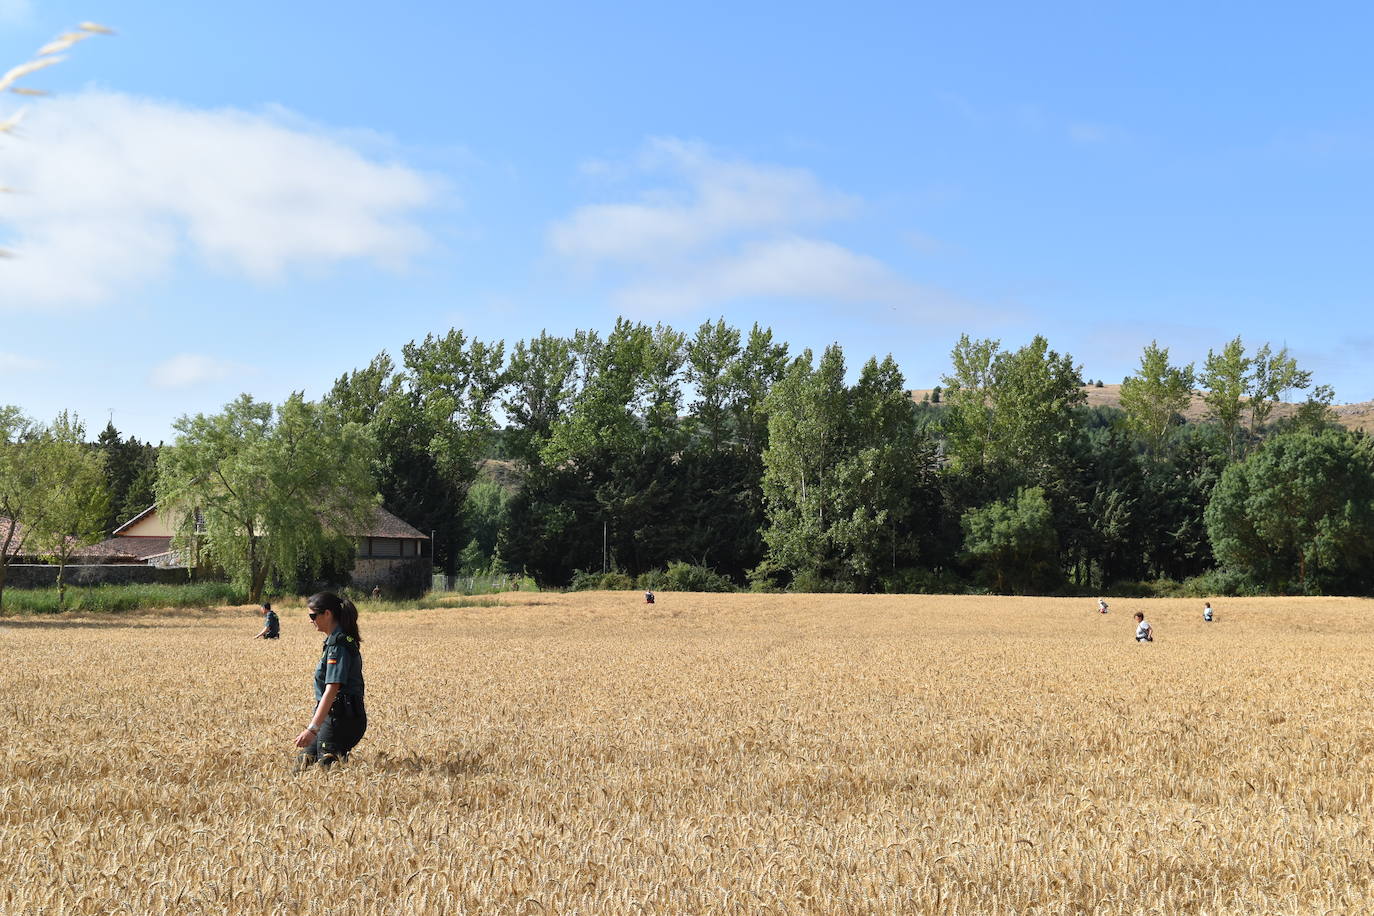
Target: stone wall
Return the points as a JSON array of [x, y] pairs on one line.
[[42, 575], [398, 577]]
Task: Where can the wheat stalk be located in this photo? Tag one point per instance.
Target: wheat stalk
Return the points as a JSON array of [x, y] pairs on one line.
[[48, 55]]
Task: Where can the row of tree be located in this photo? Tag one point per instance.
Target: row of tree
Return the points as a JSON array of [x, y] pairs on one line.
[[648, 447]]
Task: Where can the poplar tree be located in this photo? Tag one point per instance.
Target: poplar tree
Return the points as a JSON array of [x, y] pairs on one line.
[[77, 500], [1155, 394]]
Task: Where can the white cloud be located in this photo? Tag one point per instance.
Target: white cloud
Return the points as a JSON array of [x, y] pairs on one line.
[[711, 200], [113, 189], [703, 230], [16, 363], [790, 268], [187, 370]]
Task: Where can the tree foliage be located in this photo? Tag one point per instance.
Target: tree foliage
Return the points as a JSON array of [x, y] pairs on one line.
[[1299, 514], [1156, 395], [1013, 542], [24, 486], [262, 492], [76, 501], [838, 472]]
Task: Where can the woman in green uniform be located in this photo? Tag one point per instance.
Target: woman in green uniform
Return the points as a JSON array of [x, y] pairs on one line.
[[340, 718]]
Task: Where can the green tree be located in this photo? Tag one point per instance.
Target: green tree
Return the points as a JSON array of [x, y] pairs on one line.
[[1156, 394], [1273, 375], [877, 481], [807, 412], [540, 390], [24, 486], [130, 473], [1033, 394], [611, 467], [1010, 414], [77, 497], [1314, 414], [1226, 379], [260, 492], [1299, 513], [1014, 543], [969, 424], [839, 473]]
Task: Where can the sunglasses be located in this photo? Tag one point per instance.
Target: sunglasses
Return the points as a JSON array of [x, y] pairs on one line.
[[314, 614]]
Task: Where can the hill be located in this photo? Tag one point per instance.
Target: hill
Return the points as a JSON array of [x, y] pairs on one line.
[[1352, 416]]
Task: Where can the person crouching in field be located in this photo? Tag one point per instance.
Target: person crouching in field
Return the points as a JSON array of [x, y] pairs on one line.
[[271, 626], [1101, 606], [340, 718], [1143, 631], [1207, 612]]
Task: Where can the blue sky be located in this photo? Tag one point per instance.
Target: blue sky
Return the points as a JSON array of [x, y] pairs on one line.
[[259, 197]]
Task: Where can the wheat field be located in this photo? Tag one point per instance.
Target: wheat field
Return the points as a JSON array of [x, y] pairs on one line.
[[591, 754]]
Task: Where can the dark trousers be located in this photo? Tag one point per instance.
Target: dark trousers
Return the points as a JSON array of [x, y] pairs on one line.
[[341, 732]]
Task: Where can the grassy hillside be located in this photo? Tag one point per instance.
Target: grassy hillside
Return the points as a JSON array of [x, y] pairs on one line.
[[1352, 416]]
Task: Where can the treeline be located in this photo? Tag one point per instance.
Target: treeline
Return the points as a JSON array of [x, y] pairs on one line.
[[719, 459], [651, 449]]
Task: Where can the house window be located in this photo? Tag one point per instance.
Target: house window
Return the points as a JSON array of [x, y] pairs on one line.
[[386, 547]]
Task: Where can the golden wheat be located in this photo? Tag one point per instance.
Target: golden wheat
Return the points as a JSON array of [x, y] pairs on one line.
[[706, 754]]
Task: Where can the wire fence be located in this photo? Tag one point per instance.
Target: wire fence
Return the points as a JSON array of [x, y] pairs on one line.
[[475, 585]]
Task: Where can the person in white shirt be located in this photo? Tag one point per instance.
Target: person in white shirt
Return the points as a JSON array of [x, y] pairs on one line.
[[1207, 612], [1143, 631], [1101, 606]]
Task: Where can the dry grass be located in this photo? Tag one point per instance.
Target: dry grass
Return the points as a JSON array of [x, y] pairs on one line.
[[707, 754], [1359, 416]]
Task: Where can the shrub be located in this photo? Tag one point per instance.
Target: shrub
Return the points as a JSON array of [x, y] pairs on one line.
[[924, 582], [1216, 582], [653, 580], [585, 581], [684, 577], [810, 582]]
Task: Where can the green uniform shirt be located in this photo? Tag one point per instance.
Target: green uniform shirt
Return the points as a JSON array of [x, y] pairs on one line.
[[273, 625], [341, 662]]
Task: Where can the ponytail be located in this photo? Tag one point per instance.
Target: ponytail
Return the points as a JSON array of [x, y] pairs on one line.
[[344, 611]]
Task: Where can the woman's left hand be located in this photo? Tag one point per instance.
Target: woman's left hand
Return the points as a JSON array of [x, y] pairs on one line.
[[305, 738]]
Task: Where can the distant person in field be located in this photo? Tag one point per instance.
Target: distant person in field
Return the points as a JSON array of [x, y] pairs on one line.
[[271, 626], [648, 597], [1143, 631], [1207, 612], [376, 592], [1101, 606], [340, 718]]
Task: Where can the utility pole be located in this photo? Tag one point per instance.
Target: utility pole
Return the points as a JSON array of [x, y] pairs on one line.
[[603, 547]]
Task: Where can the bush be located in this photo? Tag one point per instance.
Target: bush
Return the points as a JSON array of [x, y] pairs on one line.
[[586, 581], [810, 582], [924, 582], [684, 577], [111, 599], [651, 581], [1216, 582], [1159, 588]]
